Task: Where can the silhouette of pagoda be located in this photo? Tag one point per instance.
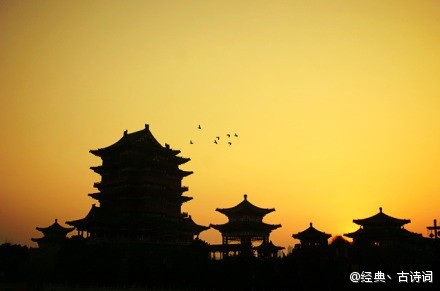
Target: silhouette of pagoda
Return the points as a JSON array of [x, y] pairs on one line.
[[245, 226], [140, 194], [311, 237], [382, 230], [53, 235]]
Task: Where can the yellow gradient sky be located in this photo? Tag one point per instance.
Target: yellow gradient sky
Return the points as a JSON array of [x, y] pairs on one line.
[[336, 103]]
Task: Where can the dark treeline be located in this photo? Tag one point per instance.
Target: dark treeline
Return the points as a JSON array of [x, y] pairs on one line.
[[79, 263]]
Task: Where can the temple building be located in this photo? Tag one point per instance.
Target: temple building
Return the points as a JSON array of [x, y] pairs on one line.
[[311, 237], [140, 194], [244, 228], [53, 235], [382, 230]]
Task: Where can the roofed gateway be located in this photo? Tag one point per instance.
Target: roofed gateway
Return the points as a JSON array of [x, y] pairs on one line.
[[140, 193]]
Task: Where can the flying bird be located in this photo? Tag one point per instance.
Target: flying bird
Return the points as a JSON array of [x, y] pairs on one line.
[[229, 143], [235, 135], [215, 141], [190, 142], [218, 138], [228, 135], [200, 127]]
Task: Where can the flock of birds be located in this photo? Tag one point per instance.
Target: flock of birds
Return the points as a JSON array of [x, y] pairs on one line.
[[217, 138]]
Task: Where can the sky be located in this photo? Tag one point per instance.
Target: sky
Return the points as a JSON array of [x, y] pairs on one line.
[[336, 104]]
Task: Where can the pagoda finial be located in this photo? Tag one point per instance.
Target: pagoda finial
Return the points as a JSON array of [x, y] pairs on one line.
[[380, 209], [56, 220], [147, 126], [125, 132], [311, 224], [245, 196]]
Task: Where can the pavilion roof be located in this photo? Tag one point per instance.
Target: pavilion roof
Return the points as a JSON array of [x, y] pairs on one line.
[[55, 228], [311, 233], [382, 233], [245, 227], [142, 138], [245, 208], [380, 220]]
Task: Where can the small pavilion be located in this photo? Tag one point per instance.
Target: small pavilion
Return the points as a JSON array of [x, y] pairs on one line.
[[244, 228], [53, 235], [311, 237]]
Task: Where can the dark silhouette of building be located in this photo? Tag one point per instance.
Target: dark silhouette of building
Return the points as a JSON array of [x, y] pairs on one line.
[[53, 235], [340, 246], [268, 250], [311, 237], [434, 230], [382, 230], [245, 226], [140, 194]]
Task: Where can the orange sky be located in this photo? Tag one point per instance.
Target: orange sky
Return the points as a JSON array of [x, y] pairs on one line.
[[336, 103]]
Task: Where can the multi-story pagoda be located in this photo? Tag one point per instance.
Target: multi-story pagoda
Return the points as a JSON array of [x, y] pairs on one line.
[[53, 235], [311, 237], [140, 193], [382, 230], [245, 226]]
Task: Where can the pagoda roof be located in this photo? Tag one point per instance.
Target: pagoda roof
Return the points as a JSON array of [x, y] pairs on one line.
[[108, 195], [381, 219], [311, 233], [245, 208], [98, 217], [55, 228], [194, 226], [91, 215], [141, 138]]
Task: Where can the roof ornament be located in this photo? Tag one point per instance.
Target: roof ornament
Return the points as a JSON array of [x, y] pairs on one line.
[[245, 196], [311, 224], [380, 209], [56, 220], [125, 132], [147, 126]]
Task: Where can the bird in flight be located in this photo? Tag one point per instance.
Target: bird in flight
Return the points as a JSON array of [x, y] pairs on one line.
[[236, 135], [229, 143], [218, 138], [228, 135], [200, 127], [190, 142], [215, 141]]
